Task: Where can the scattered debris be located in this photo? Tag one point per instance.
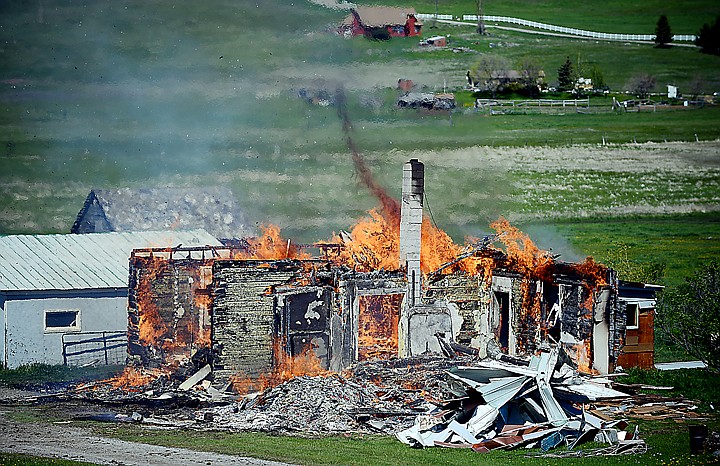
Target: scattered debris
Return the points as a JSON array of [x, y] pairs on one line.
[[502, 405]]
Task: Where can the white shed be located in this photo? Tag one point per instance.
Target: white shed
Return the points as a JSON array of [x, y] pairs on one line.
[[56, 290]]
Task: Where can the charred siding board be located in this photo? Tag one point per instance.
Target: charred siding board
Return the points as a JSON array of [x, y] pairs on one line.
[[243, 316]]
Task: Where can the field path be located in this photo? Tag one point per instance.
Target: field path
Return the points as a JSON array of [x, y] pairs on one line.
[[72, 443]]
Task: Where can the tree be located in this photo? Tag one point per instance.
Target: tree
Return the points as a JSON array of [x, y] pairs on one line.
[[631, 270], [696, 86], [531, 75], [566, 76], [642, 85], [663, 33], [708, 39], [490, 72], [690, 315], [598, 79]]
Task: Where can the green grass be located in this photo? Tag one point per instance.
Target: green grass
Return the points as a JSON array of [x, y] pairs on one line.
[[200, 95], [694, 384], [17, 459], [666, 444], [681, 242], [38, 373], [610, 16]]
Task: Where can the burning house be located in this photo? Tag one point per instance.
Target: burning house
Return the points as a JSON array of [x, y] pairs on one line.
[[372, 293]]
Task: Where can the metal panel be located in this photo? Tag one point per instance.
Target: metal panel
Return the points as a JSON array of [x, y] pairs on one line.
[[88, 261]]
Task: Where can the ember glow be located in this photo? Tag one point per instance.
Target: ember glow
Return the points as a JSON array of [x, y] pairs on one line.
[[285, 368], [378, 326], [134, 379]]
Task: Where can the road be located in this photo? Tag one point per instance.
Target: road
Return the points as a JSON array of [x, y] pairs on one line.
[[58, 440]]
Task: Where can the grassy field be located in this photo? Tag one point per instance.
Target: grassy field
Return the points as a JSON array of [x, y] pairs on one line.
[[133, 94], [609, 16]]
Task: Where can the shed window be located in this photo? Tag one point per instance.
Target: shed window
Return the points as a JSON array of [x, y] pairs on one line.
[[632, 311], [62, 321]]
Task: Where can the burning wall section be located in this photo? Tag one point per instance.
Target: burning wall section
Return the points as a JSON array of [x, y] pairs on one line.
[[168, 308], [574, 306], [246, 316]]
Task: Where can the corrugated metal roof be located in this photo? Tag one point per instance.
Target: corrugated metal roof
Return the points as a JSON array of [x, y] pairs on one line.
[[72, 262]]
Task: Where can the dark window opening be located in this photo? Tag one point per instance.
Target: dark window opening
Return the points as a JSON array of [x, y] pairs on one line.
[[632, 315], [62, 320], [503, 301]]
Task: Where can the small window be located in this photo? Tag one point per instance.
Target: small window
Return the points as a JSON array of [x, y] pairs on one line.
[[62, 321], [632, 312]]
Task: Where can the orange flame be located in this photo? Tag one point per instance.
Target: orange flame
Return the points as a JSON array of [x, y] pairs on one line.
[[437, 247], [133, 379], [378, 326], [593, 271], [286, 368], [270, 245], [375, 245], [521, 250]]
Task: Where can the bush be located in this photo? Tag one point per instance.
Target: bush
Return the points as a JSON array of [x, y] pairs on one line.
[[690, 315]]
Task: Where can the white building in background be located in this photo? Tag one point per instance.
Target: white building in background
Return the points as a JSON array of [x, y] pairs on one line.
[[58, 290]]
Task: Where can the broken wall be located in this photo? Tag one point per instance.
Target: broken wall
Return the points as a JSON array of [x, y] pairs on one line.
[[243, 317], [168, 309]]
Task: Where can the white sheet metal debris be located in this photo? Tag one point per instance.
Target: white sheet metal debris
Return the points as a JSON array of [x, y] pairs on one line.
[[508, 405]]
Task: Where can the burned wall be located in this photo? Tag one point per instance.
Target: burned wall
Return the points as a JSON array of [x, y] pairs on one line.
[[367, 316], [470, 295], [168, 310], [243, 318]]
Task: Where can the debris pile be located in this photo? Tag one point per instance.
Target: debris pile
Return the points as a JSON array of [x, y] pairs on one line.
[[153, 388], [377, 396], [501, 405], [316, 405]]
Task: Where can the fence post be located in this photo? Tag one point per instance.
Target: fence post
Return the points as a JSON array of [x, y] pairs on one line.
[[105, 348], [64, 350]]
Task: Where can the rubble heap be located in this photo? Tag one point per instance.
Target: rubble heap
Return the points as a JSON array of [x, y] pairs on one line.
[[378, 396], [500, 405], [317, 406]]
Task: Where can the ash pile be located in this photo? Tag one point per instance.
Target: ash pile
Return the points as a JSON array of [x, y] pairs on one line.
[[373, 397]]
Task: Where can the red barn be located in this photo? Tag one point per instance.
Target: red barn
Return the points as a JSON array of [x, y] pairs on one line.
[[381, 22]]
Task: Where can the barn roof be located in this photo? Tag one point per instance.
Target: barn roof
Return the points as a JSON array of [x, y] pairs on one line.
[[379, 16], [76, 262], [157, 209]]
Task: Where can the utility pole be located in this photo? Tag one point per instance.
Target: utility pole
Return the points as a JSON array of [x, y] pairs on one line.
[[480, 20]]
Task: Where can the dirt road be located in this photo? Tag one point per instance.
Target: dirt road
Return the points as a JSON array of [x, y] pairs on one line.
[[58, 440]]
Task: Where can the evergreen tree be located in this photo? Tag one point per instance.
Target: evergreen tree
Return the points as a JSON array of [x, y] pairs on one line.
[[566, 76], [708, 39], [663, 33]]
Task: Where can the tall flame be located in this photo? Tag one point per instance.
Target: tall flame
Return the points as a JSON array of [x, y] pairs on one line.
[[270, 245]]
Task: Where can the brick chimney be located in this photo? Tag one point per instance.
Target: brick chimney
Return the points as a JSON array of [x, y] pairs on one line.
[[411, 215]]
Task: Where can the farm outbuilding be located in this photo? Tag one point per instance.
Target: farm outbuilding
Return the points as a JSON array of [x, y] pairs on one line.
[[159, 209], [381, 22], [59, 290]]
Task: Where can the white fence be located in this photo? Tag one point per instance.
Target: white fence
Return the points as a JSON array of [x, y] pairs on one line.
[[561, 29], [533, 103]]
